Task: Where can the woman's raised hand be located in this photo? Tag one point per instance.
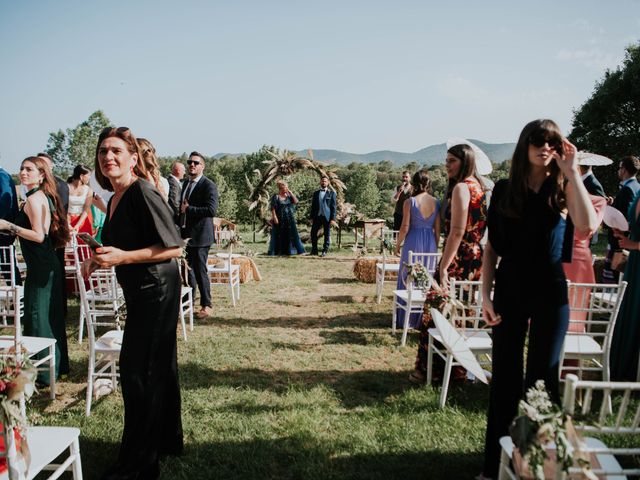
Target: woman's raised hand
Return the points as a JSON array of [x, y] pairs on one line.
[[107, 257], [568, 161]]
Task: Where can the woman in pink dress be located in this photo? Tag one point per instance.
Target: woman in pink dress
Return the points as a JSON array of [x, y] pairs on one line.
[[580, 270]]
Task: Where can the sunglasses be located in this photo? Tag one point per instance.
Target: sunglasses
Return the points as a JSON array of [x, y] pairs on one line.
[[539, 139], [193, 162]]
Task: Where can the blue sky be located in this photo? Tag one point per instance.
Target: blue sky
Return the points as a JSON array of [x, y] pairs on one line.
[[357, 76]]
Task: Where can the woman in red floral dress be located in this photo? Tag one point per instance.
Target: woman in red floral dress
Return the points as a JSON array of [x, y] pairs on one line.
[[465, 221]]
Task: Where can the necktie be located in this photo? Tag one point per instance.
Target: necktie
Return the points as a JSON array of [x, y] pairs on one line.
[[187, 191]]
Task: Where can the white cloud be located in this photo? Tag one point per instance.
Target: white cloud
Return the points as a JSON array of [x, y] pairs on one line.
[[593, 58]]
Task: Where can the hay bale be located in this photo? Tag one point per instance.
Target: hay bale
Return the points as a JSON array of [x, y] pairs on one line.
[[364, 268]]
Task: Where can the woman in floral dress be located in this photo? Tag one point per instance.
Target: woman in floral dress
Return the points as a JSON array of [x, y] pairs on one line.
[[465, 220]]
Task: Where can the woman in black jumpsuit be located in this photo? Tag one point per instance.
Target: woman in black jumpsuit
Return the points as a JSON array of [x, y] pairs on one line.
[[531, 233], [141, 240]]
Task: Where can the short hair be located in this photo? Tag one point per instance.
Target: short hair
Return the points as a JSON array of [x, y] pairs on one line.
[[197, 154], [175, 165], [325, 176], [631, 164], [407, 172]]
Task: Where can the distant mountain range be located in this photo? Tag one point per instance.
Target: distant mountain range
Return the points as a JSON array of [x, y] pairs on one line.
[[431, 155]]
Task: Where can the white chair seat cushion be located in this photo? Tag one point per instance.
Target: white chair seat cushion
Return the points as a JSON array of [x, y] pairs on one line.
[[607, 461], [45, 445], [388, 267], [110, 342], [475, 340], [32, 344], [581, 345], [222, 269], [416, 295]]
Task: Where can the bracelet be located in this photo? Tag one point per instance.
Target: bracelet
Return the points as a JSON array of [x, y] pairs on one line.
[[13, 229]]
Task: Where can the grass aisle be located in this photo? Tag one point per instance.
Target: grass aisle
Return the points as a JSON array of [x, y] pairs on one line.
[[303, 379]]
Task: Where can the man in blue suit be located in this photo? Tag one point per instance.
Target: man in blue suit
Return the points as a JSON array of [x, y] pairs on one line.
[[199, 202], [323, 214], [8, 212]]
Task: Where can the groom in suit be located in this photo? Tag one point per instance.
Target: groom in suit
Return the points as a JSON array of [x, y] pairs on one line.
[[199, 202], [323, 214]]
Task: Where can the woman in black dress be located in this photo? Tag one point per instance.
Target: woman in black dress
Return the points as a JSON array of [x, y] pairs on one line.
[[530, 230], [142, 241]]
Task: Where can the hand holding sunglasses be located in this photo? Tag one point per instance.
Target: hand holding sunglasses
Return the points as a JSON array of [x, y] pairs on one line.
[[567, 158]]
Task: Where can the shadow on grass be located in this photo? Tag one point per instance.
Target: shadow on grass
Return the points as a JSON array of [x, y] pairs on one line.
[[362, 320], [304, 456], [342, 280], [362, 388], [349, 299]]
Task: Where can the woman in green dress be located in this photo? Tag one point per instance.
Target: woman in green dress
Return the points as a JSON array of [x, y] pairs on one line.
[[41, 230], [626, 336]]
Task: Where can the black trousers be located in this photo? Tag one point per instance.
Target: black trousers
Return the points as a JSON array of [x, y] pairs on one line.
[[197, 259], [397, 221], [547, 329], [319, 222], [149, 374]]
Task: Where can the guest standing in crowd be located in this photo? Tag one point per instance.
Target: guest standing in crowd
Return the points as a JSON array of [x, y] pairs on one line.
[[625, 345], [80, 200], [284, 232], [41, 229], [8, 212], [199, 203], [142, 242], [62, 188], [529, 231], [465, 219], [175, 188], [419, 233], [323, 215], [628, 169], [148, 152], [403, 192], [591, 183]]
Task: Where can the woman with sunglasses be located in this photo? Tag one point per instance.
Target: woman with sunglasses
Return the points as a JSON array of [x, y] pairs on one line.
[[531, 220], [142, 242]]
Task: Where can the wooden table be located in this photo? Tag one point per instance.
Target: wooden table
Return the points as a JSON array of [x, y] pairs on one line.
[[369, 229]]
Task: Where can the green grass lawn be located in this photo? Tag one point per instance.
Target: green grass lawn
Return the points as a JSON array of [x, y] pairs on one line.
[[302, 379]]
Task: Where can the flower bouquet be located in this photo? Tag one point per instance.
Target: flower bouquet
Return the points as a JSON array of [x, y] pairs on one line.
[[17, 380], [540, 424]]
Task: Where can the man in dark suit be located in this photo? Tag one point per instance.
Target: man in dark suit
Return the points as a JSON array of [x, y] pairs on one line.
[[199, 202], [175, 188], [8, 212], [323, 214], [628, 169], [591, 183]]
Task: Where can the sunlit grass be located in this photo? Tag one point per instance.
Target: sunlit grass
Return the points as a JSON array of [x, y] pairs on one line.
[[302, 379]]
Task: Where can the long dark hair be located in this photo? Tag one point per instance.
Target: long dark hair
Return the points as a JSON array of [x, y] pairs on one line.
[[420, 182], [467, 157], [150, 160], [59, 228], [512, 203], [78, 171], [124, 134]]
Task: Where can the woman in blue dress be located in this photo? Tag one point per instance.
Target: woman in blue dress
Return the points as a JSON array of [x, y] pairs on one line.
[[419, 233], [284, 232]]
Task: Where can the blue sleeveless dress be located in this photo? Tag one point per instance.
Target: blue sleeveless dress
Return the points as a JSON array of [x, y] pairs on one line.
[[420, 239]]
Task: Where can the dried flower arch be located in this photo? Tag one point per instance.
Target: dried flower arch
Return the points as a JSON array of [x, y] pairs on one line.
[[285, 163]]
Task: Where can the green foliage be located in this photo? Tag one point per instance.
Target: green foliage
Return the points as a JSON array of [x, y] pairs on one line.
[[608, 123], [77, 145], [361, 188]]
